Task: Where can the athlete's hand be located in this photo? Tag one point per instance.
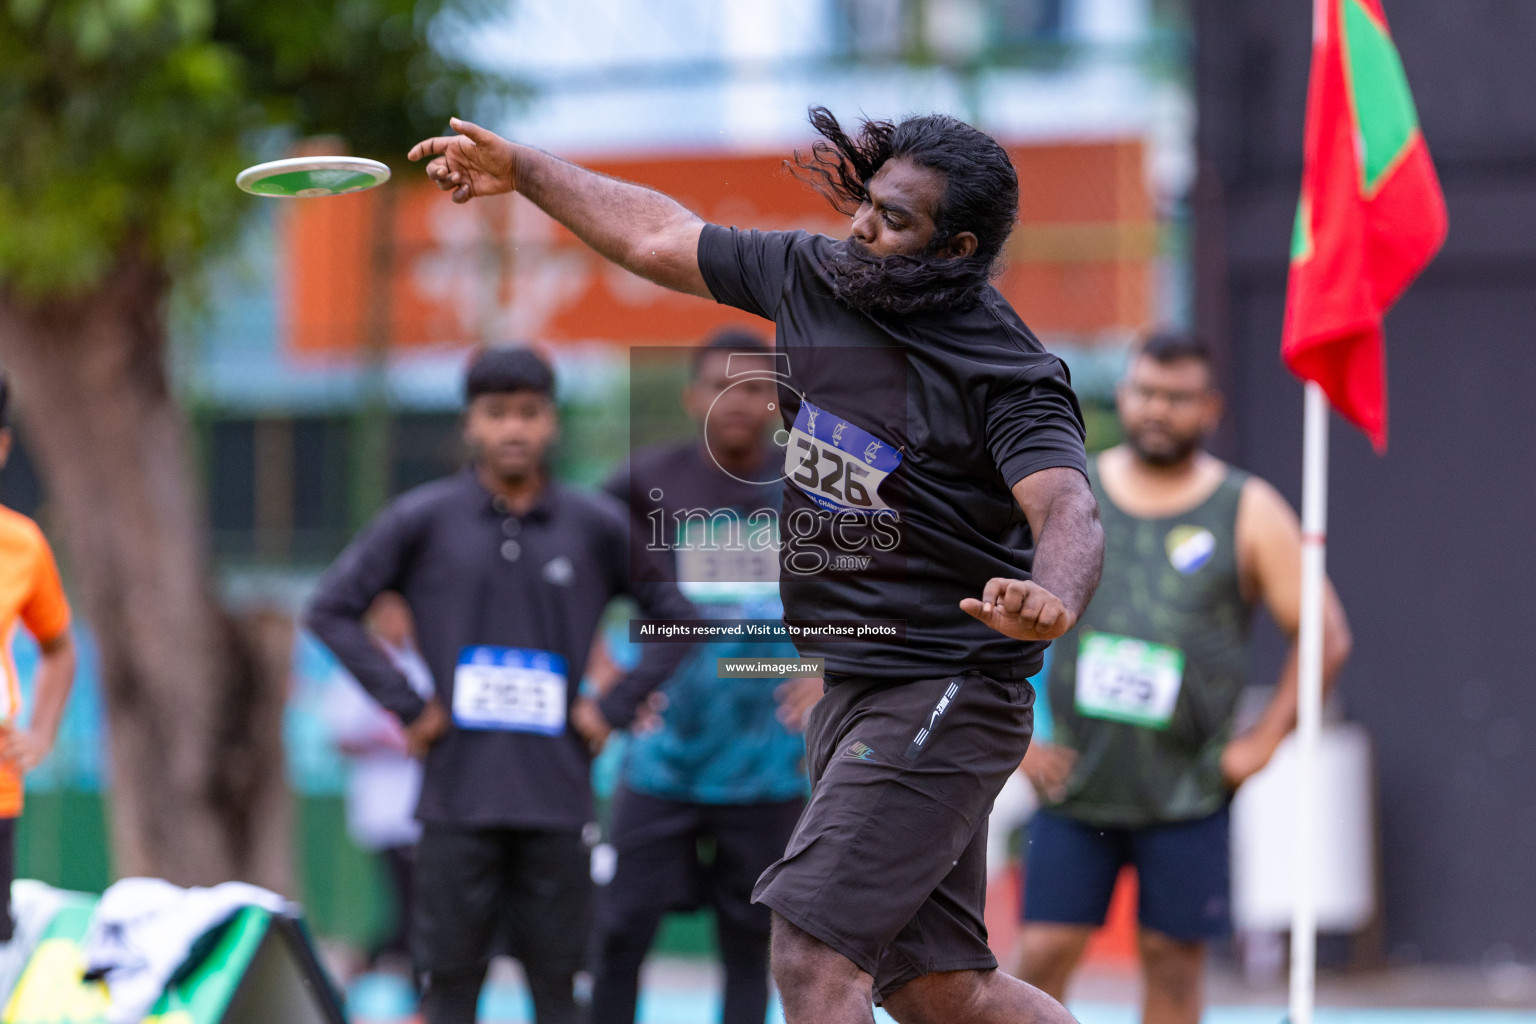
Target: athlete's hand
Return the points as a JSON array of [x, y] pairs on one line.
[[588, 721], [796, 697], [1244, 758], [1022, 609], [23, 749], [427, 729], [1048, 766], [475, 162]]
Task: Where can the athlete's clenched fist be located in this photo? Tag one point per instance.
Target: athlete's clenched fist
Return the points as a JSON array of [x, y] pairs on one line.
[[1022, 609]]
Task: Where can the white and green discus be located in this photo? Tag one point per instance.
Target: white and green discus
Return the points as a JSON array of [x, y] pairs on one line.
[[308, 177]]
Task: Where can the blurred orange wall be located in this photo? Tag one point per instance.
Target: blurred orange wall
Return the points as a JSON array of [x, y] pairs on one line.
[[1080, 263]]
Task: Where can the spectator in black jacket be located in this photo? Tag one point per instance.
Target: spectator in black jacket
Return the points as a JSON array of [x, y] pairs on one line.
[[507, 574]]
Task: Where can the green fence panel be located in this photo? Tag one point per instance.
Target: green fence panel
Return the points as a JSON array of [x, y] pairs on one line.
[[259, 969], [62, 840]]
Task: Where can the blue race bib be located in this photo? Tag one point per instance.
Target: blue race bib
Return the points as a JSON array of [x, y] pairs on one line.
[[510, 689]]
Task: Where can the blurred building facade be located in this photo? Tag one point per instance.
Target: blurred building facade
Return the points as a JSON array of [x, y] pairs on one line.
[[325, 368], [1430, 547]]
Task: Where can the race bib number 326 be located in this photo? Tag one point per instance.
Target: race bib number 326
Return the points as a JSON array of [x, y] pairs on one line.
[[839, 465], [1122, 679], [510, 689]]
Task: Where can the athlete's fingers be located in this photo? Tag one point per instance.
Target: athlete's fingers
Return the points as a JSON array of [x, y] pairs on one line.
[[976, 610], [1031, 607], [463, 193], [992, 591], [439, 174], [431, 147], [445, 179], [1050, 614], [473, 132], [1014, 596], [1020, 593]]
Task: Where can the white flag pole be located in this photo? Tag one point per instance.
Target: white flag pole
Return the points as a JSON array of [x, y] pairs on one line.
[[1309, 711]]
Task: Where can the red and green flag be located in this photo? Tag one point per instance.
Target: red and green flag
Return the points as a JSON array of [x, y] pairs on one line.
[[1371, 214]]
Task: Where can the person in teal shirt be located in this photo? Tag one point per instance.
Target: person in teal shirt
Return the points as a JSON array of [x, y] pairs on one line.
[[724, 771]]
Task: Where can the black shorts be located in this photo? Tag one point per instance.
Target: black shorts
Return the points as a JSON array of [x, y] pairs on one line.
[[1182, 871], [659, 868], [888, 864], [476, 885]]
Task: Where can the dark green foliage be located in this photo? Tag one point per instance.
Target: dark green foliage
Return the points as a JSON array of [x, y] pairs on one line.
[[125, 121], [360, 69]]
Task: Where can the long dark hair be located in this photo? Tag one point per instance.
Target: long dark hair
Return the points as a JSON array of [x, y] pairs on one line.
[[981, 195]]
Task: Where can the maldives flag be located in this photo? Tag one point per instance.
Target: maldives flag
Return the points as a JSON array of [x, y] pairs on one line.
[[1371, 214]]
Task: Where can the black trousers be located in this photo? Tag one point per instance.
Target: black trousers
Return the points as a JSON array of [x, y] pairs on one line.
[[660, 870], [474, 885], [7, 875], [399, 864]]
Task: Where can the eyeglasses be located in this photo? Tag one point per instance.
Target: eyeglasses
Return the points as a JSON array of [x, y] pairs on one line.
[[1175, 399]]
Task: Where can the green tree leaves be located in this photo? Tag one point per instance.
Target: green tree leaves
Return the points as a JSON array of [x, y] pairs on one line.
[[103, 108], [125, 121]]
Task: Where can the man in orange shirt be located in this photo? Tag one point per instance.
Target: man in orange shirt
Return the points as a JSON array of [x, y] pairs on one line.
[[30, 592]]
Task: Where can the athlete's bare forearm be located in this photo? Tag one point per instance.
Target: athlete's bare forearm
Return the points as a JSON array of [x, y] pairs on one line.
[[1069, 542], [640, 229], [1069, 555]]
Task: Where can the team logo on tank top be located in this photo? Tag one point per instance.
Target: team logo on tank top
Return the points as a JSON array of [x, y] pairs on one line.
[[1190, 548]]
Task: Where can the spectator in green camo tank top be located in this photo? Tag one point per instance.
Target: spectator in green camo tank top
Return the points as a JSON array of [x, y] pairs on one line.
[[1144, 689]]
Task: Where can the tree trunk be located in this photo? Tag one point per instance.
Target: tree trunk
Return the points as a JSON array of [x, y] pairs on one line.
[[194, 700]]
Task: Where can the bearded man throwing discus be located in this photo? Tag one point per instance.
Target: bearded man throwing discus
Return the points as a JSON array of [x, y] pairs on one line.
[[923, 423]]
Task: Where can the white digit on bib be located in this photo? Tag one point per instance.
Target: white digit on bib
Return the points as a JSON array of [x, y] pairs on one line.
[[510, 689], [839, 465], [1122, 679]]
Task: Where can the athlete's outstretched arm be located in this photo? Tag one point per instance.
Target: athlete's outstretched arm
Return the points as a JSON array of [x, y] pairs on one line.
[[640, 229], [1069, 555]]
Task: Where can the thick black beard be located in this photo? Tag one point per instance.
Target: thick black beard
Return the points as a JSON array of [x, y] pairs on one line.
[[1184, 448], [903, 285]]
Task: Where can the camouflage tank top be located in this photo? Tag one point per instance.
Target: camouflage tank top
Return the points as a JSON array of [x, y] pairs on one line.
[[1145, 687]]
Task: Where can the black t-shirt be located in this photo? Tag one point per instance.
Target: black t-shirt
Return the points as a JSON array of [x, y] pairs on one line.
[[670, 487], [477, 574], [905, 437], [710, 531]]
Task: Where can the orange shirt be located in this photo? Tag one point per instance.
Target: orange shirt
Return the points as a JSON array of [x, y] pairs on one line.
[[32, 594]]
